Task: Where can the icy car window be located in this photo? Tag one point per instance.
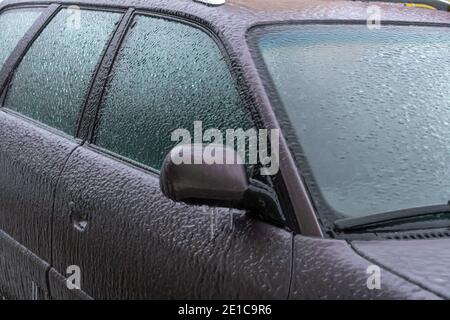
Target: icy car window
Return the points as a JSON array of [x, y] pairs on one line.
[[51, 82], [13, 25], [370, 109], [168, 75]]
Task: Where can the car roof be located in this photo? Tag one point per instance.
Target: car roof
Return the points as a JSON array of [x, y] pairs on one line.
[[231, 21], [247, 12]]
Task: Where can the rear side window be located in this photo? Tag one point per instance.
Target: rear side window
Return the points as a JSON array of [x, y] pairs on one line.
[[51, 82], [13, 25], [167, 75]]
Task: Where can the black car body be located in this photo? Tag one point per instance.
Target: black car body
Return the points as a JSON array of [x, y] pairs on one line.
[[64, 201]]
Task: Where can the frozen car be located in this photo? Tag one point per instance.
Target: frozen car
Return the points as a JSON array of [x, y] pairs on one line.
[[93, 205]]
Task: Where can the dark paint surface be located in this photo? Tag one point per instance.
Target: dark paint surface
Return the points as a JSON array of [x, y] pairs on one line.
[[139, 245], [31, 160], [331, 269], [22, 273], [138, 239], [422, 262]]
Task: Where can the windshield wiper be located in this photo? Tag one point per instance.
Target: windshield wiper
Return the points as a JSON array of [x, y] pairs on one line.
[[365, 222]]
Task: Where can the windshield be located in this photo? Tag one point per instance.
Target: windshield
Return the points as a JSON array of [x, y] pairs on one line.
[[370, 110]]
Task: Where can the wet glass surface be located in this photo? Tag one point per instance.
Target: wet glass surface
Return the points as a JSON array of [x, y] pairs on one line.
[[51, 82], [13, 25], [371, 110], [168, 75]]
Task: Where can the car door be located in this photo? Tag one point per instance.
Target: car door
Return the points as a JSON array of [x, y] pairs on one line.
[[113, 228], [38, 119]]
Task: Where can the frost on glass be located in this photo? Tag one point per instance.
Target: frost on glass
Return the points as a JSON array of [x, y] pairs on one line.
[[371, 110], [167, 76], [13, 25], [51, 82]]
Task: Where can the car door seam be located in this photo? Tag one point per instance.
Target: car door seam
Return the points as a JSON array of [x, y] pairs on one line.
[[58, 179], [291, 271]]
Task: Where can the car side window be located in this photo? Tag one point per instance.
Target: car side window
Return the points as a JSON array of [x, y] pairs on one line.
[[52, 80], [13, 25], [168, 74]]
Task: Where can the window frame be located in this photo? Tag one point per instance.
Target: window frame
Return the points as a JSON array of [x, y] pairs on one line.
[[90, 136]]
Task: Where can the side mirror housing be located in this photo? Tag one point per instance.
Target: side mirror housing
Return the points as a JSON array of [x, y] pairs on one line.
[[192, 174], [185, 177]]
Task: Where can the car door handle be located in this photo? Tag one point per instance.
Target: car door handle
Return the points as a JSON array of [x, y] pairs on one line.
[[78, 219]]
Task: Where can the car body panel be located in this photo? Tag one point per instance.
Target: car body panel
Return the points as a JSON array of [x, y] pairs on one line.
[[425, 263], [23, 274], [137, 244], [331, 269], [31, 160], [136, 238]]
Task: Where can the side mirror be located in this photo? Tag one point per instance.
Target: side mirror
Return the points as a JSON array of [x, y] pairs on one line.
[[214, 175]]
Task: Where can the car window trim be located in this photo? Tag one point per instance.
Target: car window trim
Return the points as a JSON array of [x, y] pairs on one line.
[[89, 112], [40, 125], [89, 128], [248, 103], [93, 127]]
